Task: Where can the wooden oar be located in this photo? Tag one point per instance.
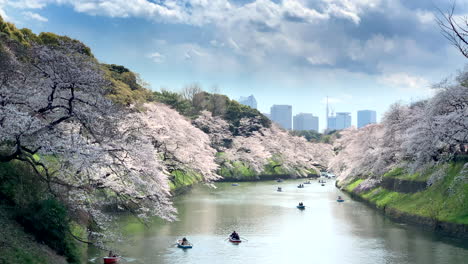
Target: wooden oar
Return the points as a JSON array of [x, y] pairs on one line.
[[244, 238]]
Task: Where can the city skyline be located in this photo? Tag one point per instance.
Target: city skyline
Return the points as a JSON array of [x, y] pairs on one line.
[[322, 118]]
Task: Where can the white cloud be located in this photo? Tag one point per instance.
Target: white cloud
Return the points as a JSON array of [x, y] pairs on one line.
[[405, 82], [29, 4], [234, 44], [35, 16], [2, 11], [319, 60], [156, 57], [425, 17]]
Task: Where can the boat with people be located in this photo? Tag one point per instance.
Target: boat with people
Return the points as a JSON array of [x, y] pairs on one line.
[[279, 180], [234, 238], [339, 199], [300, 186], [323, 184], [279, 189], [235, 184], [183, 243], [301, 206], [307, 182], [111, 260]]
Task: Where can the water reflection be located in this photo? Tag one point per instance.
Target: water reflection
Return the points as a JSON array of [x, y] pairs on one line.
[[277, 232]]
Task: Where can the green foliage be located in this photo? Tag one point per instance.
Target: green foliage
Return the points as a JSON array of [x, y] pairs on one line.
[[10, 30], [310, 135], [236, 111], [181, 178], [445, 200], [176, 101], [16, 180], [26, 37], [16, 246], [236, 170], [394, 173], [273, 167], [48, 221], [40, 214], [401, 174], [217, 104], [125, 86], [353, 185]]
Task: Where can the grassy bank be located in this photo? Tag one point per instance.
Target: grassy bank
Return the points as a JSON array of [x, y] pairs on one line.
[[17, 246], [237, 170], [31, 213], [445, 199]]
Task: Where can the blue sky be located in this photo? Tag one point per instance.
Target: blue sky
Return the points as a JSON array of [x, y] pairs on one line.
[[363, 54]]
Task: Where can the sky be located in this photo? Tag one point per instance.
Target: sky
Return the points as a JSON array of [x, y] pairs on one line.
[[362, 54]]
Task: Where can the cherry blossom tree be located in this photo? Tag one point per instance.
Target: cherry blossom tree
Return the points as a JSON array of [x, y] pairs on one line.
[[180, 145], [255, 146], [413, 136], [55, 116]]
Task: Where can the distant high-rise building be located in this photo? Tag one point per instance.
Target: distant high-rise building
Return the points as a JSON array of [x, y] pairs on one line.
[[365, 117], [331, 123], [248, 101], [282, 115], [339, 121], [305, 121]]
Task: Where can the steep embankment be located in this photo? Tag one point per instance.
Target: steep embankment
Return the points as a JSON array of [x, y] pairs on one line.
[[435, 198], [17, 246]]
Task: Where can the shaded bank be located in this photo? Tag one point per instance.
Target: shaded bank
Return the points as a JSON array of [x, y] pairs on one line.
[[434, 200]]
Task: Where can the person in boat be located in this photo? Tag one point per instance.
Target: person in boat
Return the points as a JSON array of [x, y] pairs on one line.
[[234, 235], [301, 204], [110, 254], [184, 241], [339, 198]]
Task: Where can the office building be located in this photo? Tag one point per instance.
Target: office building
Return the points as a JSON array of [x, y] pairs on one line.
[[282, 115], [249, 101], [365, 117], [305, 121], [340, 120]]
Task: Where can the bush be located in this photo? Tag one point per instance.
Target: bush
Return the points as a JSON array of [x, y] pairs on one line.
[[44, 217], [48, 221]]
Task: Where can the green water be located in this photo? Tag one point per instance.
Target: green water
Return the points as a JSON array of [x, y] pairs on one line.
[[275, 231]]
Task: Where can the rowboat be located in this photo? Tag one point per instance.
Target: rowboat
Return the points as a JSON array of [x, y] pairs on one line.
[[302, 207], [180, 245], [233, 240], [279, 189], [323, 184], [300, 186], [307, 182], [340, 200], [111, 260], [235, 184], [279, 180]]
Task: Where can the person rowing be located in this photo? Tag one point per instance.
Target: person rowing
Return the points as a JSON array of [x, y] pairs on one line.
[[235, 236], [184, 241]]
